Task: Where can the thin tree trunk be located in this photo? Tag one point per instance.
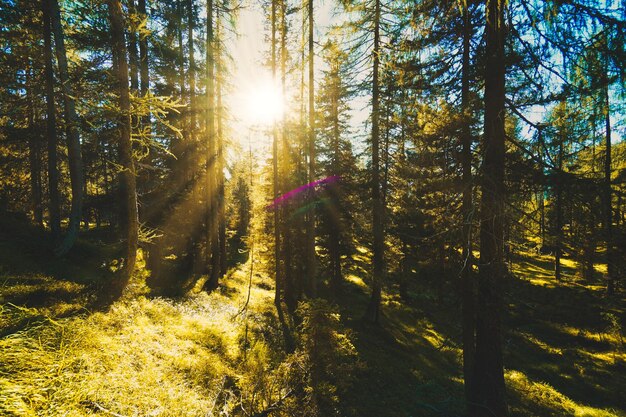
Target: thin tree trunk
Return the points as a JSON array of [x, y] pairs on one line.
[[289, 344], [467, 277], [542, 205], [488, 372], [291, 300], [143, 55], [212, 224], [73, 137], [125, 147], [608, 192], [144, 71], [373, 308], [559, 212], [132, 48], [54, 207], [34, 153], [221, 164], [191, 75], [336, 234], [310, 229]]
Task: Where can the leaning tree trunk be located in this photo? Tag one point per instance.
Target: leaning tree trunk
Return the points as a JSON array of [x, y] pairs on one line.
[[125, 147], [73, 137], [488, 370]]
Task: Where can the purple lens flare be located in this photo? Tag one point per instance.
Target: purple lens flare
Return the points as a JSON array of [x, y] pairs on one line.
[[283, 199]]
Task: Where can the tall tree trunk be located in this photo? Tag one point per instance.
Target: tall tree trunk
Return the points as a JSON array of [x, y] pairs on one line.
[[72, 135], [143, 55], [467, 276], [178, 143], [212, 224], [310, 227], [488, 372], [144, 71], [124, 145], [373, 309], [289, 344], [291, 300], [336, 233], [542, 205], [608, 192], [132, 48], [221, 164], [558, 184], [191, 75], [54, 207], [34, 152]]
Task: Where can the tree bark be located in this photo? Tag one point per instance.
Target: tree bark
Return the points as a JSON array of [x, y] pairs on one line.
[[54, 206], [34, 152], [124, 145], [336, 233], [132, 48], [72, 134], [488, 371], [221, 164], [278, 271], [608, 192], [310, 229], [143, 54], [373, 309], [212, 225], [467, 209], [558, 184], [291, 299]]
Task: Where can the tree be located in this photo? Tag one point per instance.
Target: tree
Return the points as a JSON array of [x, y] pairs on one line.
[[467, 276], [213, 245], [337, 160], [310, 241], [120, 69], [54, 206], [72, 134], [373, 309], [488, 371]]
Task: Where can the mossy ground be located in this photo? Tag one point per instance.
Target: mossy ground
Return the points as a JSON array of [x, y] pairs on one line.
[[64, 353]]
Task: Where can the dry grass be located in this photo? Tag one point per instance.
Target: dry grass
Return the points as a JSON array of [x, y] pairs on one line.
[[143, 357]]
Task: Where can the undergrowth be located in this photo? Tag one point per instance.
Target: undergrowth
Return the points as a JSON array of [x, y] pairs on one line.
[[222, 354]]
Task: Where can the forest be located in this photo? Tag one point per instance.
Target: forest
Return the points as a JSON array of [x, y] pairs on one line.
[[299, 208]]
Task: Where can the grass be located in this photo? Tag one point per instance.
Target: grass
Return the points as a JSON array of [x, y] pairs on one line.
[[63, 353]]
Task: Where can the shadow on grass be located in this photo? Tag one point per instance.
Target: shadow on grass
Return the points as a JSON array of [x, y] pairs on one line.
[[566, 335], [35, 285], [563, 346], [410, 369]]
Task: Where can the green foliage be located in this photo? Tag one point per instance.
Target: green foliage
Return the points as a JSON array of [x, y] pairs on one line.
[[329, 357], [312, 380]]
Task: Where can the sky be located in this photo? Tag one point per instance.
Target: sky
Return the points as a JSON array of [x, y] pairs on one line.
[[250, 78]]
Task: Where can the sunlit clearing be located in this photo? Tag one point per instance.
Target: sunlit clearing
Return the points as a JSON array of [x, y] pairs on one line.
[[264, 104]]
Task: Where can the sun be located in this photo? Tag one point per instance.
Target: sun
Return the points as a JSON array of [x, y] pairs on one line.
[[264, 103]]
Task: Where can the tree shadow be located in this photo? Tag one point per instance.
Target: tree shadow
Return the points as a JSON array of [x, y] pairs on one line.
[[35, 284]]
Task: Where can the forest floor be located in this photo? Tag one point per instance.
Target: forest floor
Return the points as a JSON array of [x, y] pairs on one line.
[[64, 352]]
